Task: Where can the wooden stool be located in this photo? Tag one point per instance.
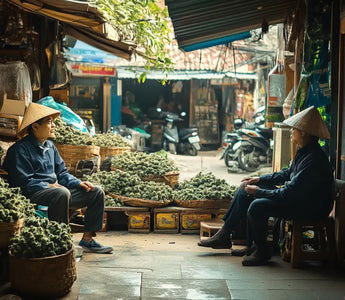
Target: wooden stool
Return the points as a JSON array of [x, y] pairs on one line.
[[323, 232], [210, 228]]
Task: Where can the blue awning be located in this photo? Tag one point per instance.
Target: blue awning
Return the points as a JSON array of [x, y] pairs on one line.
[[219, 41]]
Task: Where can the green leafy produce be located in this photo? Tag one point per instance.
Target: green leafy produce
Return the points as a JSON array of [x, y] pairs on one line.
[[40, 237], [204, 186], [112, 202], [2, 151], [109, 140], [68, 135], [143, 164], [13, 205], [125, 184]]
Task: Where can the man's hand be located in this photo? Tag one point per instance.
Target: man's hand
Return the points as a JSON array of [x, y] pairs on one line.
[[88, 186], [250, 180], [251, 189]]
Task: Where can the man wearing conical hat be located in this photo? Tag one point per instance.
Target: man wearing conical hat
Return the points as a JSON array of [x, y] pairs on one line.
[[34, 164], [304, 193]]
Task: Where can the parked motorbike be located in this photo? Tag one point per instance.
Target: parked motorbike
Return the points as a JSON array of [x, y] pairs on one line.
[[253, 149], [179, 140], [249, 146]]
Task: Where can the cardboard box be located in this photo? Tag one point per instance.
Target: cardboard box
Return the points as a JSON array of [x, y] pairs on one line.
[[9, 124], [12, 107]]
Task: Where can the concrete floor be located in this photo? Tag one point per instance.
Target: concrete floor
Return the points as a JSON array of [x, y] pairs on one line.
[[172, 266]]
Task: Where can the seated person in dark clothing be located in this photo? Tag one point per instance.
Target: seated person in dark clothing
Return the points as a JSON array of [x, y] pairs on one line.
[[34, 164], [305, 191]]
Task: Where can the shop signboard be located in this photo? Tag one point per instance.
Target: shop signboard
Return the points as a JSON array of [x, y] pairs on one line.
[[92, 70]]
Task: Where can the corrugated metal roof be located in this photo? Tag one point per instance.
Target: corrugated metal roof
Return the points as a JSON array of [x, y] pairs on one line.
[[182, 74], [196, 21]]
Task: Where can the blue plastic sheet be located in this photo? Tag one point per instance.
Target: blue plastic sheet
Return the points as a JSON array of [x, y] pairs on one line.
[[67, 115]]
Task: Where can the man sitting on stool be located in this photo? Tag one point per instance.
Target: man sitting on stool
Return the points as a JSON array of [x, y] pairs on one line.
[[305, 193], [34, 164]]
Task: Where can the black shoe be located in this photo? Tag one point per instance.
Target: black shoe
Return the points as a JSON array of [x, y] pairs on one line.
[[242, 252], [221, 240], [216, 243], [256, 259]]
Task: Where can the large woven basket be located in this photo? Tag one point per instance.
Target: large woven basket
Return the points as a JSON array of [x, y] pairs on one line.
[[46, 277], [110, 151], [71, 154], [204, 203], [170, 178], [139, 202], [8, 230]]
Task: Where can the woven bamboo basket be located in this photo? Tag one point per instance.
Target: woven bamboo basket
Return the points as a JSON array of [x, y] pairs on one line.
[[170, 178], [139, 202], [8, 230], [46, 277], [71, 154], [110, 151], [204, 203]]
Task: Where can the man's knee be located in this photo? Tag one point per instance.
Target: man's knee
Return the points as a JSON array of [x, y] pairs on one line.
[[62, 193], [256, 208]]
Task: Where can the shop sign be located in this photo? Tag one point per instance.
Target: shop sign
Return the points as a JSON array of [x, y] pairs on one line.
[[92, 70]]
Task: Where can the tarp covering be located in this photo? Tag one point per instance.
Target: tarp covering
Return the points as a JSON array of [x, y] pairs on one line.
[[73, 12], [100, 41], [82, 21]]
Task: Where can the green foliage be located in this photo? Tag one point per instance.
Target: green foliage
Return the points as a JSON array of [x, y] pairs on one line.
[[204, 186], [112, 202], [109, 140], [13, 205], [144, 23], [129, 185], [68, 135], [143, 164], [41, 238]]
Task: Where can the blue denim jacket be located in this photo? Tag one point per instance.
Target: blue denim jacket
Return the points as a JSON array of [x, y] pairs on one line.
[[32, 166]]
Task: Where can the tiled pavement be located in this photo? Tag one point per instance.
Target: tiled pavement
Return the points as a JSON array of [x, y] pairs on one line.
[[171, 266]]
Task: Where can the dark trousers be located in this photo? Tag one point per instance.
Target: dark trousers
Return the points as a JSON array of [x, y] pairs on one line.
[[256, 211], [60, 200]]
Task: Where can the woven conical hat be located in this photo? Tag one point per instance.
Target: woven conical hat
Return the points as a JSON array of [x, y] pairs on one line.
[[33, 113], [309, 121]]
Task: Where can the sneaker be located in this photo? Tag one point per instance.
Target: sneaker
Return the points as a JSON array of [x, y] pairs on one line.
[[94, 247]]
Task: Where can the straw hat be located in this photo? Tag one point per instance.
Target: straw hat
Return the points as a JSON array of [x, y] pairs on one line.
[[33, 113], [309, 121]]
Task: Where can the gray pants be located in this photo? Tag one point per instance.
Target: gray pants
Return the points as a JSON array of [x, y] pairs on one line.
[[60, 200]]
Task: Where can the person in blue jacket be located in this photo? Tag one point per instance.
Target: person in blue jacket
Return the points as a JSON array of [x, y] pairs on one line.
[[302, 191], [34, 164]]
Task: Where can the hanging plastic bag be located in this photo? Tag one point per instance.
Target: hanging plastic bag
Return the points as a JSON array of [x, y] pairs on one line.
[[59, 76], [68, 115]]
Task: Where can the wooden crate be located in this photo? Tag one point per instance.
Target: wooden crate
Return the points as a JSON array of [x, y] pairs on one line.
[[118, 216], [190, 219], [139, 221], [167, 219]]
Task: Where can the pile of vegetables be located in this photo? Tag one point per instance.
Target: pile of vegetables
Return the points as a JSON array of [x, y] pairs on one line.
[[125, 184], [112, 202], [143, 164], [109, 140], [68, 135], [13, 205], [41, 238], [204, 186]]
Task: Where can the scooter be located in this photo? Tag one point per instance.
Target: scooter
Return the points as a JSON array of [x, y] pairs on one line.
[[253, 149], [179, 140]]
